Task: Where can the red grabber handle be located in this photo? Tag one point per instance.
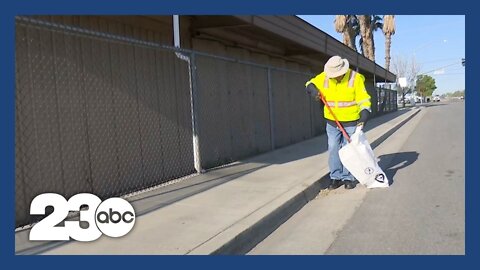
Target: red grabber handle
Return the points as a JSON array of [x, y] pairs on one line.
[[334, 117]]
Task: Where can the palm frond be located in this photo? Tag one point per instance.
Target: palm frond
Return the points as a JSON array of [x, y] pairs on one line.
[[340, 22], [389, 24], [360, 44]]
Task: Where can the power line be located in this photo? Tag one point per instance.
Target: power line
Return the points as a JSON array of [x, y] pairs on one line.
[[449, 74], [433, 70], [456, 69], [439, 60]]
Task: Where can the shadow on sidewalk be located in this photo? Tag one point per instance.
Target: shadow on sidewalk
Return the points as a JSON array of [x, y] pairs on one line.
[[396, 161], [432, 104], [152, 200], [309, 147]]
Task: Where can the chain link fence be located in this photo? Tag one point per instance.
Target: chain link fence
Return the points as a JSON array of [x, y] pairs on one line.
[[246, 109], [386, 101], [97, 114], [111, 115]]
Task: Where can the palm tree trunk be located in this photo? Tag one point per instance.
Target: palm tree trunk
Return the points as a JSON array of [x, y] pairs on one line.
[[361, 22], [388, 30], [388, 43], [351, 37], [372, 46], [343, 26], [367, 36], [346, 39]]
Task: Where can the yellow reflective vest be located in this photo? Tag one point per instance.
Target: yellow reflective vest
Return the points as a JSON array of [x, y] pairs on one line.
[[346, 98]]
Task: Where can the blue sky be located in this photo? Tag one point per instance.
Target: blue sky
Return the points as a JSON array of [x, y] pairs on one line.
[[436, 41]]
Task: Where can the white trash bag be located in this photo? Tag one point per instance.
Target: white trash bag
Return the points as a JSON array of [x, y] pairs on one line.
[[358, 157]]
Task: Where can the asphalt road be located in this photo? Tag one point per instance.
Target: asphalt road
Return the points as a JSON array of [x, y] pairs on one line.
[[422, 212]]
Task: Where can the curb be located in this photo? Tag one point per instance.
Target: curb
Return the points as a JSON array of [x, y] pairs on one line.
[[258, 231]]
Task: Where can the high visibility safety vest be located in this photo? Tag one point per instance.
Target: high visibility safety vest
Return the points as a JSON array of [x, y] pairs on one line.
[[346, 98]]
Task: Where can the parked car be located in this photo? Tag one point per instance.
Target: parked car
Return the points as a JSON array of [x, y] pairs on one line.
[[436, 99]]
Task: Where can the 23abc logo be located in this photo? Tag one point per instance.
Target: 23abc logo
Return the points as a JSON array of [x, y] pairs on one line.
[[113, 217]]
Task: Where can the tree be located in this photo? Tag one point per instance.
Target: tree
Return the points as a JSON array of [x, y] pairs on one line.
[[365, 22], [413, 69], [345, 24], [364, 26], [368, 24], [407, 68], [389, 31], [376, 24], [425, 85], [458, 93]]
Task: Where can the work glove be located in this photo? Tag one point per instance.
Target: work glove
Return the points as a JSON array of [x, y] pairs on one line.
[[312, 90], [364, 114], [363, 119]]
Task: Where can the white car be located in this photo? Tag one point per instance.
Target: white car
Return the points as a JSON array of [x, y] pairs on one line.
[[436, 99]]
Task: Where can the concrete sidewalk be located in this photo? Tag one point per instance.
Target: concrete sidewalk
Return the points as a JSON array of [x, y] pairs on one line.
[[227, 210]]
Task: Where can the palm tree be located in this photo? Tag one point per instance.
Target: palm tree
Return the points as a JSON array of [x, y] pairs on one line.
[[389, 31], [374, 26], [367, 25], [345, 24], [364, 26], [364, 22]]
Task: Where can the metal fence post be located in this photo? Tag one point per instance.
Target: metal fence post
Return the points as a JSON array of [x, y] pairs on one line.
[[194, 112], [270, 107], [312, 119]]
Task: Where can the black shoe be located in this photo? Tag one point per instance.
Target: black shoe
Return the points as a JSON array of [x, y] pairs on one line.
[[334, 184], [350, 184]]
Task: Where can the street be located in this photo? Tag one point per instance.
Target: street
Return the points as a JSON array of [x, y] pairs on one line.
[[422, 212]]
